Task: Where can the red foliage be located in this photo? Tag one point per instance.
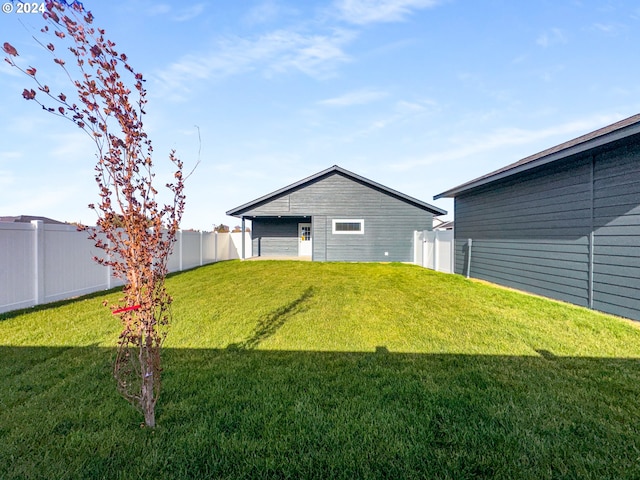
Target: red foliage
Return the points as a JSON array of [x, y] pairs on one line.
[[29, 94], [9, 49], [136, 234]]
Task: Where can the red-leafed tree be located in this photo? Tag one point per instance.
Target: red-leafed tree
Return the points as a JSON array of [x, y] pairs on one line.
[[134, 231]]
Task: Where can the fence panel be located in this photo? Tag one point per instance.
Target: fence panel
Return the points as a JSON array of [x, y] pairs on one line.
[[209, 247], [434, 250], [17, 259], [235, 245], [191, 250], [41, 263], [68, 265]]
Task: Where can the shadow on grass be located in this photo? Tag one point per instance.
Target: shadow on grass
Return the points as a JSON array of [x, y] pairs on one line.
[[303, 414], [268, 325], [59, 303], [100, 293]]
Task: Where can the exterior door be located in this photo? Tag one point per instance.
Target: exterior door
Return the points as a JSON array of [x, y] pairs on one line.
[[305, 243]]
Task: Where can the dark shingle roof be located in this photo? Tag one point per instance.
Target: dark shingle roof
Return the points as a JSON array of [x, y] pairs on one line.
[[29, 218], [615, 131]]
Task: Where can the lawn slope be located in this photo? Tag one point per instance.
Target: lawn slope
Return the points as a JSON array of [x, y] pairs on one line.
[[328, 370]]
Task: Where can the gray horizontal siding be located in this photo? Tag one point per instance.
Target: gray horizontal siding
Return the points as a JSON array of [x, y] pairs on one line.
[[616, 217], [390, 234], [389, 221], [532, 231], [319, 237], [275, 237], [334, 194], [553, 269]]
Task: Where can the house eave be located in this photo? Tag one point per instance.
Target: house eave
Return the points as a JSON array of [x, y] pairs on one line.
[[555, 154], [242, 209]]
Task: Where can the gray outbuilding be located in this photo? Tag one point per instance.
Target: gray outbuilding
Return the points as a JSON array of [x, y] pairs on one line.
[[563, 223], [336, 215]]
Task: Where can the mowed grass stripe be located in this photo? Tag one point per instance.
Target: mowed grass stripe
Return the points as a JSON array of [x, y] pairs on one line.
[[310, 370]]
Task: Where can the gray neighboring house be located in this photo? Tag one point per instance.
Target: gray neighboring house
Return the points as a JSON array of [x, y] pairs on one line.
[[336, 215], [563, 223]]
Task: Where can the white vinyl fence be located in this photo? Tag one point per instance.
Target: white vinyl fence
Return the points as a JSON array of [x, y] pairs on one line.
[[434, 250], [41, 263]]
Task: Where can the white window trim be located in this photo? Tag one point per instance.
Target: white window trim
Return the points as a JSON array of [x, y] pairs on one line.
[[347, 220]]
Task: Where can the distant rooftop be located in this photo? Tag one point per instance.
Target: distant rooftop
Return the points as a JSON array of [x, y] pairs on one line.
[[29, 218]]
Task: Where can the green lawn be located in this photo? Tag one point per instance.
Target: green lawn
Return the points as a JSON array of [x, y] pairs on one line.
[[328, 370]]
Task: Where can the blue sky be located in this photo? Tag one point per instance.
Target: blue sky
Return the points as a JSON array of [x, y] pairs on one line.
[[419, 95]]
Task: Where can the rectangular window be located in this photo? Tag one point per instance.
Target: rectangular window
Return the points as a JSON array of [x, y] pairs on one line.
[[348, 226]]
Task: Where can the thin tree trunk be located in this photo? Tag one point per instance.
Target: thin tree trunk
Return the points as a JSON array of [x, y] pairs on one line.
[[147, 399]]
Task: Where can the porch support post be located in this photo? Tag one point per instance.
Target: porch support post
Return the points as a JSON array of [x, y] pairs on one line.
[[243, 235]]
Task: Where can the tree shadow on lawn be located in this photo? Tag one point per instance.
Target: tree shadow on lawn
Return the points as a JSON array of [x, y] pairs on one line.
[[269, 325], [304, 414]]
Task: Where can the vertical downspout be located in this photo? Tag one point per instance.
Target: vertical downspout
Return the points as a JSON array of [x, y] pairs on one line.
[[591, 233], [242, 238], [469, 257]]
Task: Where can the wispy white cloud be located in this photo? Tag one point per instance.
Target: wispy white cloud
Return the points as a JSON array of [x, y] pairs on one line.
[[610, 28], [508, 137], [5, 68], [315, 55], [266, 12], [280, 51], [41, 201], [358, 97], [74, 146], [157, 9], [362, 12], [554, 36], [550, 73], [406, 107], [188, 13], [399, 115], [484, 84], [177, 15]]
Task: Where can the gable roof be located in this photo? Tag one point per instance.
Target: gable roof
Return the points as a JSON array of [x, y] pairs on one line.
[[238, 211], [29, 218], [615, 131]]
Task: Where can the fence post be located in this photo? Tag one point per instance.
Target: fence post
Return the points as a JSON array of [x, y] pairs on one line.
[[38, 257], [180, 250], [452, 259], [469, 258], [109, 272], [201, 240], [425, 247], [435, 251]]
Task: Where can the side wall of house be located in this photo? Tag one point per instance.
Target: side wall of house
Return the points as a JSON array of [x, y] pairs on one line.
[[616, 210], [389, 222], [570, 231]]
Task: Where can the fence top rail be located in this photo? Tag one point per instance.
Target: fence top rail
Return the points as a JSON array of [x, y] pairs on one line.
[[61, 228], [15, 226]]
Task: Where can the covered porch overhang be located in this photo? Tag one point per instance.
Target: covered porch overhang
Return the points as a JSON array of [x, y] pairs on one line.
[[300, 221]]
